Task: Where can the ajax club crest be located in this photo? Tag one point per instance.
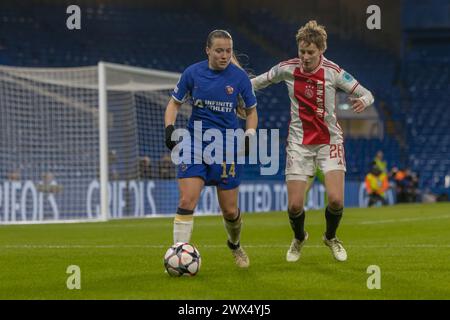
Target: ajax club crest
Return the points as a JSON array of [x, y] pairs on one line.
[[309, 93]]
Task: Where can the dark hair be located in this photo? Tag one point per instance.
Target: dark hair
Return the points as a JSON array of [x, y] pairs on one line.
[[217, 34]]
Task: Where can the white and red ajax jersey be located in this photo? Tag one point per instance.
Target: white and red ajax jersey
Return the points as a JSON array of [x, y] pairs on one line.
[[313, 98]]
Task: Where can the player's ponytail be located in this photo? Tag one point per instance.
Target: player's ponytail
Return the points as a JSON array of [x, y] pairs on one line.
[[235, 61]]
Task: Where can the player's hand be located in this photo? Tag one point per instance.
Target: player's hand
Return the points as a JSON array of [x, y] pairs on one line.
[[249, 133], [247, 146], [357, 105], [169, 143]]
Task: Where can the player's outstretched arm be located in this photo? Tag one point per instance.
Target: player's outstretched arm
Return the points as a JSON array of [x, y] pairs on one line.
[[276, 74], [260, 82], [361, 99]]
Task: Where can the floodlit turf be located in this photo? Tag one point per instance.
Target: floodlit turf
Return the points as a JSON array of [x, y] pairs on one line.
[[124, 259]]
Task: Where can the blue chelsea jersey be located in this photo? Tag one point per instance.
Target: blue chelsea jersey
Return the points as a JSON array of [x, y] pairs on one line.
[[214, 95]]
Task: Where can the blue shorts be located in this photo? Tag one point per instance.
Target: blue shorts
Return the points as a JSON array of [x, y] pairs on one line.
[[224, 176]]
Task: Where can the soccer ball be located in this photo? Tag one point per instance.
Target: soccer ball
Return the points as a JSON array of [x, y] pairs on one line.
[[182, 259]]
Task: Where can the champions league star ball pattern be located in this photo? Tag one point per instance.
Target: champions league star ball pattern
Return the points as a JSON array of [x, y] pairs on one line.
[[182, 259]]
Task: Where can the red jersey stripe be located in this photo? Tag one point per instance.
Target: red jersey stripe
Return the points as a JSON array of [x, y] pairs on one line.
[[289, 62], [354, 87], [331, 63], [331, 66], [310, 111]]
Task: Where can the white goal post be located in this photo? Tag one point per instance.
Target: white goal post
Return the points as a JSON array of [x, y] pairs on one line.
[[85, 144]]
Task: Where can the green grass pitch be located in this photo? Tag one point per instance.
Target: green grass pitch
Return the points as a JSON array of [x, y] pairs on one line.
[[124, 259]]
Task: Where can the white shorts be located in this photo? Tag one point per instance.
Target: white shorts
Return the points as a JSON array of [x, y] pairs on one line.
[[302, 160]]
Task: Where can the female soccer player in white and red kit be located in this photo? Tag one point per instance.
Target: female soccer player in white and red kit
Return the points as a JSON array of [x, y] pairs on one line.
[[315, 137]]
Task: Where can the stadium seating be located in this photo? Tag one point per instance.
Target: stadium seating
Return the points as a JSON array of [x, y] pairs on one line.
[[425, 110], [413, 97]]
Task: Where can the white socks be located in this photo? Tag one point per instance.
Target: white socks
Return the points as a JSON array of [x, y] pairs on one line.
[[183, 225]]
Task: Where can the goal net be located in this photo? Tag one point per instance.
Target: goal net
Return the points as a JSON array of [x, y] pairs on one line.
[[85, 144]]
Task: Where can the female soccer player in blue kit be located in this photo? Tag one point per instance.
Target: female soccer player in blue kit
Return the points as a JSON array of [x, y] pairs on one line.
[[214, 87]]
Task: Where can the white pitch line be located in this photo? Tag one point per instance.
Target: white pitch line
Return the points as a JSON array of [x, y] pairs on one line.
[[405, 220], [75, 246], [158, 224]]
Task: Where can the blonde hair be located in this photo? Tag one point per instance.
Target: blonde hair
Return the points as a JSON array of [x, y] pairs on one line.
[[311, 32], [235, 61]]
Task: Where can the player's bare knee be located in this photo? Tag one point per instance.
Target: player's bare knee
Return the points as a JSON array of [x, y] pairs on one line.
[[335, 203], [230, 213], [295, 208], [187, 202]]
